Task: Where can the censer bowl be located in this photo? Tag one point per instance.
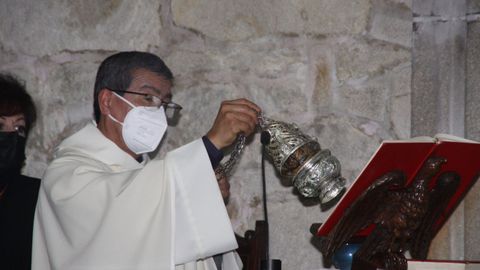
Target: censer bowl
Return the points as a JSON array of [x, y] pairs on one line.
[[315, 172]]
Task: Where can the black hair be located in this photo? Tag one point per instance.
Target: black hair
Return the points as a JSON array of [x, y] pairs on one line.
[[15, 100], [115, 72]]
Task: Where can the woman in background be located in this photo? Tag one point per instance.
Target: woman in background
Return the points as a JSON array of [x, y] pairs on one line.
[[18, 193]]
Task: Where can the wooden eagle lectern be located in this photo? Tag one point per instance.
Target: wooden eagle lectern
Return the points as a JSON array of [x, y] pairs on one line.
[[400, 217]]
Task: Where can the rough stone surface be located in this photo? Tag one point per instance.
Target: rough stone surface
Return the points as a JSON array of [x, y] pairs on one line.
[[473, 82], [472, 131], [365, 100], [406, 3], [233, 20], [444, 8], [356, 59], [78, 25], [322, 76], [439, 53], [298, 236], [443, 90], [401, 101], [336, 133], [473, 6], [392, 23], [424, 90]]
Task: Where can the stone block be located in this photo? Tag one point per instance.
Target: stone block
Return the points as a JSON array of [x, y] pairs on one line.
[[424, 82], [233, 20], [350, 139], [473, 6], [188, 64], [290, 241], [444, 8], [400, 113], [406, 3], [7, 58], [66, 92], [391, 23], [50, 26], [472, 131], [438, 102], [472, 108], [201, 104], [321, 76], [271, 75], [364, 99], [359, 58], [438, 86]]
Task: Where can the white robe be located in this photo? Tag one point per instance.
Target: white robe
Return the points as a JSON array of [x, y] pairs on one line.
[[98, 208]]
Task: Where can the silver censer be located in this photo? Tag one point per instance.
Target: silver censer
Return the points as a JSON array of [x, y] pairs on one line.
[[315, 172]]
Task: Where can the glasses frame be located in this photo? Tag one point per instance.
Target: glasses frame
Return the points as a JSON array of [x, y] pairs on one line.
[[170, 105]]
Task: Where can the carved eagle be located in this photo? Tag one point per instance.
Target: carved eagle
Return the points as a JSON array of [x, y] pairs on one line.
[[403, 218]]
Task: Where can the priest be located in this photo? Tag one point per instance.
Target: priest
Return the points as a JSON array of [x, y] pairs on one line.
[[104, 205]]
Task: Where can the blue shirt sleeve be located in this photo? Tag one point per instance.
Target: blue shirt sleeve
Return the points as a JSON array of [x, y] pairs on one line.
[[214, 154]]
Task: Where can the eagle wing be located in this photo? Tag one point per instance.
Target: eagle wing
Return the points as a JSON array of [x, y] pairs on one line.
[[440, 196], [361, 213]]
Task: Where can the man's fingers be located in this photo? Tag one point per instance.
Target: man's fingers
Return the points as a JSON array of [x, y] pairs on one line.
[[244, 102], [244, 124], [234, 117], [241, 111]]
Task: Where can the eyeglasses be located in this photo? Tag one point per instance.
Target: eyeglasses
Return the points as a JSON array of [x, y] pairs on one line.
[[171, 108]]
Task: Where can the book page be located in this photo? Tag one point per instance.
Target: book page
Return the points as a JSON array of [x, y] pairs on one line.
[[417, 265], [452, 138], [419, 139], [436, 265]]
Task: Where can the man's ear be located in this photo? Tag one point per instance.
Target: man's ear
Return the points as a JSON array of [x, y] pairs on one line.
[[104, 101]]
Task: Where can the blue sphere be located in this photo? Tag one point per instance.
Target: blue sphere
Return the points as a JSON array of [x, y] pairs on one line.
[[343, 257]]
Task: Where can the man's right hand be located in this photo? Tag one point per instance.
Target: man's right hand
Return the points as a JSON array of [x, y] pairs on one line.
[[234, 117]]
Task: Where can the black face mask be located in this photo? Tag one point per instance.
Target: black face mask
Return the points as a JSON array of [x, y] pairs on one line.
[[12, 152]]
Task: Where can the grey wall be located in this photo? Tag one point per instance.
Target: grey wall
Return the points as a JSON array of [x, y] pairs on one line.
[[472, 125], [445, 95]]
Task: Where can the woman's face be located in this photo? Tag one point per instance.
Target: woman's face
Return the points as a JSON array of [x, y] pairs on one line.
[[13, 123]]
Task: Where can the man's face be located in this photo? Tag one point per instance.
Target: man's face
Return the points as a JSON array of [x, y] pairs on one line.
[[144, 82]]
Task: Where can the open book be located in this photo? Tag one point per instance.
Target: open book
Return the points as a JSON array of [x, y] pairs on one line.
[[463, 157]]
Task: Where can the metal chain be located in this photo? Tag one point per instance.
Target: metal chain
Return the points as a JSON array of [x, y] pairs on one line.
[[225, 169]]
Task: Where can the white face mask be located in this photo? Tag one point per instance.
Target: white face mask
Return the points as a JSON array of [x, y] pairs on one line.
[[143, 127]]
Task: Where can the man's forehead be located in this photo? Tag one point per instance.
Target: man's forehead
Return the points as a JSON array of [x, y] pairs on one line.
[[148, 81], [165, 92]]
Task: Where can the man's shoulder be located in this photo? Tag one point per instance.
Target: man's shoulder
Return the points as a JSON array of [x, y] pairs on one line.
[[81, 136], [85, 145], [78, 149]]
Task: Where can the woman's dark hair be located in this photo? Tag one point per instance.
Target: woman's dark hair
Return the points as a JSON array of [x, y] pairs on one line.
[[115, 72], [14, 99]]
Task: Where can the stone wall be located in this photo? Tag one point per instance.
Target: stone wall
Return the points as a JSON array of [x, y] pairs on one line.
[[445, 99], [340, 69]]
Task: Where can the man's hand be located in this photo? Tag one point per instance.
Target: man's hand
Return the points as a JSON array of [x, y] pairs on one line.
[[234, 117]]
